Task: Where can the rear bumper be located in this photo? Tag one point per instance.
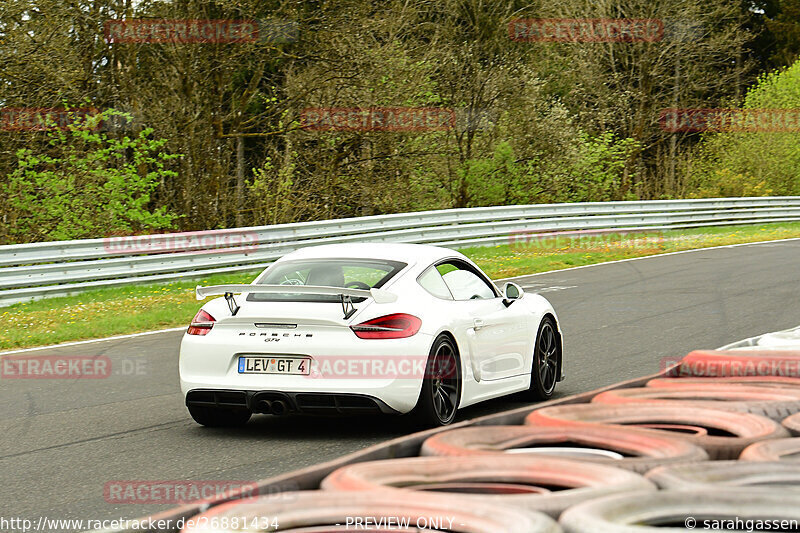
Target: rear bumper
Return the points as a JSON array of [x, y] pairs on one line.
[[297, 402], [393, 374]]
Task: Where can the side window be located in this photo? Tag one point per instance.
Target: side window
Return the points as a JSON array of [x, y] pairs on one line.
[[432, 281], [463, 283]]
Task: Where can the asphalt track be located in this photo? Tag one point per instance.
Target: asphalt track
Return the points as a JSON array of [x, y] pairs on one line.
[[61, 441]]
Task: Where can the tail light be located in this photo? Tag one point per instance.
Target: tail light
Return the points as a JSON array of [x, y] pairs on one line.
[[396, 326], [201, 324]]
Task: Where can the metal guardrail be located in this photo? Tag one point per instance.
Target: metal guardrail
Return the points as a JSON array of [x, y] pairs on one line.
[[30, 271]]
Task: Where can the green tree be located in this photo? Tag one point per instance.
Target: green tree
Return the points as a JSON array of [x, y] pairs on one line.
[[86, 184], [754, 163]]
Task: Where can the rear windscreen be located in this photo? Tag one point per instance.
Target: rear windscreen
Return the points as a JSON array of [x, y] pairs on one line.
[[362, 274]]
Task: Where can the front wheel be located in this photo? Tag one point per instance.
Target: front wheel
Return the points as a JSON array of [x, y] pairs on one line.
[[215, 417], [441, 385], [546, 355]]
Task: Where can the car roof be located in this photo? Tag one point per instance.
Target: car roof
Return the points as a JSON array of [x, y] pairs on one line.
[[407, 253]]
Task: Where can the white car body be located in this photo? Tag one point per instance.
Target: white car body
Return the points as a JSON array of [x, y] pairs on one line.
[[495, 338]]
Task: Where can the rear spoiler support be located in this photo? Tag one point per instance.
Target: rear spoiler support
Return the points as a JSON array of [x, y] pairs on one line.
[[346, 295], [232, 305], [347, 306]]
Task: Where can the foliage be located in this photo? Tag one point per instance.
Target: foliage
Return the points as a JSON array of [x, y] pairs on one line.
[[595, 171], [575, 121], [86, 183], [754, 163]]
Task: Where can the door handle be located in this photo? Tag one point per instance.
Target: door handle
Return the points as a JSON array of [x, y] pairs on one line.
[[477, 323]]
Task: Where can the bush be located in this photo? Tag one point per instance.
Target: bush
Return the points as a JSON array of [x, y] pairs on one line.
[[753, 163], [85, 183]]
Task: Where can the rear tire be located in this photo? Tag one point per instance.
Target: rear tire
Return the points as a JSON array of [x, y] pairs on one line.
[[441, 385], [546, 357], [214, 417]]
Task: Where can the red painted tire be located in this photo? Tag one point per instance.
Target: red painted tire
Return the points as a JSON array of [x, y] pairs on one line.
[[773, 450], [640, 450], [655, 512], [792, 423], [761, 381], [732, 363], [723, 434], [772, 402], [318, 511], [543, 483], [711, 474]]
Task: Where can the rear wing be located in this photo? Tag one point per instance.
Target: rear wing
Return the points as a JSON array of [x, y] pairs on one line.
[[345, 295]]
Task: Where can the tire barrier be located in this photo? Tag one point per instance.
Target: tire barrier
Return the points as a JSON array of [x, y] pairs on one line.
[[668, 510], [738, 363], [772, 402], [328, 511], [542, 483], [792, 423], [632, 458], [773, 450], [781, 339], [723, 434], [709, 475], [756, 381], [632, 449]]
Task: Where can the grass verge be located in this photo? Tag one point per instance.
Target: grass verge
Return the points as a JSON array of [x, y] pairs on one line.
[[117, 311]]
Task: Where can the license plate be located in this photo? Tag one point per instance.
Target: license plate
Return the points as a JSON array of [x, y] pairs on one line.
[[299, 366]]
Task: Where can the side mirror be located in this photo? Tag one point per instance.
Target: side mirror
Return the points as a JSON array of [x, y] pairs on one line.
[[511, 292]]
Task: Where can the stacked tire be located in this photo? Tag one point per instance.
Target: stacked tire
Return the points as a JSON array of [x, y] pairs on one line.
[[792, 423], [331, 511], [626, 448], [714, 440], [741, 407]]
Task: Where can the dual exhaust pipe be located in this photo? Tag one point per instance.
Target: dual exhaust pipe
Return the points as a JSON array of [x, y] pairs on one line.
[[275, 407]]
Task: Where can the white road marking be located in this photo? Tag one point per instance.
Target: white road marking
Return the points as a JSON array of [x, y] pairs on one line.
[[76, 343], [534, 288], [772, 242]]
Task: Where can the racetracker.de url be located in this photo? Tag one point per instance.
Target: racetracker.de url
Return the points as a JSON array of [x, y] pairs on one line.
[[46, 525]]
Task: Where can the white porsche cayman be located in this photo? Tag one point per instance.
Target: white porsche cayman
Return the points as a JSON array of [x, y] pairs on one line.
[[355, 328]]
